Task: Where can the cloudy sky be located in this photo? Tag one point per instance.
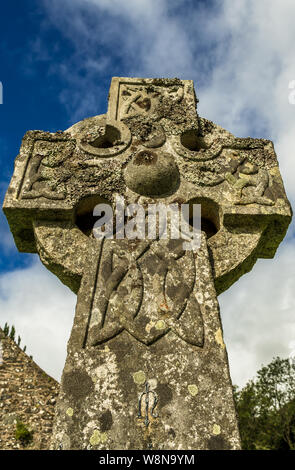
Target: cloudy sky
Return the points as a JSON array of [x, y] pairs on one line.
[[57, 60]]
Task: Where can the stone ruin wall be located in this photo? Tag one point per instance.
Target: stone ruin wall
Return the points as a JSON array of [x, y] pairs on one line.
[[27, 394]]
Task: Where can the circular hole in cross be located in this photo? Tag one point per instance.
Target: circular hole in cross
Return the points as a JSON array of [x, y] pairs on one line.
[[109, 139], [84, 218], [210, 215], [191, 141]]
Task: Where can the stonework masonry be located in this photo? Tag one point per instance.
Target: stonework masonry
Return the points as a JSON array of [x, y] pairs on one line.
[[27, 394]]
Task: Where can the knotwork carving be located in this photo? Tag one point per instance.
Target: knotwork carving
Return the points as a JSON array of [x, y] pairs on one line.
[[128, 278]]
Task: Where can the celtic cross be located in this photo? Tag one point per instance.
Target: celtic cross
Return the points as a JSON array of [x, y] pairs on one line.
[[147, 313]]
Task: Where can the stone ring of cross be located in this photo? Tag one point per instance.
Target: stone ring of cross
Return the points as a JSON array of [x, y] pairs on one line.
[[147, 310], [101, 138]]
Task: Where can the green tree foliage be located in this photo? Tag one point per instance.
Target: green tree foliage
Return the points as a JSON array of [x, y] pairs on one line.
[[23, 434], [6, 329], [12, 333], [266, 408]]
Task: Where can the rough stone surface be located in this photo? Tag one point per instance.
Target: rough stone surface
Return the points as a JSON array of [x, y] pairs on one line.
[[147, 367], [27, 394]]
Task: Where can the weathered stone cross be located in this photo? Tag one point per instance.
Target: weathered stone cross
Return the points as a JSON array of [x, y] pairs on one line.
[[147, 366]]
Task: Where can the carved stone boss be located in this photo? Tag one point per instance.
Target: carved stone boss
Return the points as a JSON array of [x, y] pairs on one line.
[[147, 338]]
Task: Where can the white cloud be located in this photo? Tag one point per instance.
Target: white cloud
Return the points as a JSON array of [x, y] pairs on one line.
[[248, 90], [258, 314], [240, 55], [135, 38], [42, 311], [248, 94]]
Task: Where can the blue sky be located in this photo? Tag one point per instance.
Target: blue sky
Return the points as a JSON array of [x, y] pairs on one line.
[[30, 94], [57, 60]]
